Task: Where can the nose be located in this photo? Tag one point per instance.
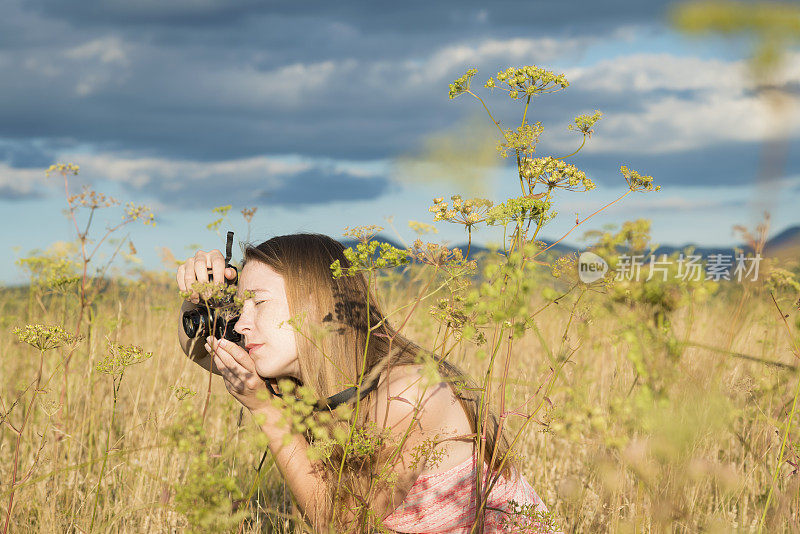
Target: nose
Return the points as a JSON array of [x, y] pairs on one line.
[[245, 322]]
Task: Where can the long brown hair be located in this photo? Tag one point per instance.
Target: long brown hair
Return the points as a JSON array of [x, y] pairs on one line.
[[346, 310]]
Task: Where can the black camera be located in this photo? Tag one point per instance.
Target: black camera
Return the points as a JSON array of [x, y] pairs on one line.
[[214, 316], [198, 323]]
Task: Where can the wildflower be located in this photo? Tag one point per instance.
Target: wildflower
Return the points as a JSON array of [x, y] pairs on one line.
[[636, 182], [45, 337], [467, 212], [136, 213], [522, 141], [584, 123], [248, 214], [120, 357], [182, 392], [63, 168], [363, 256], [89, 198], [461, 85], [554, 173], [520, 209], [528, 81], [222, 211], [51, 270]]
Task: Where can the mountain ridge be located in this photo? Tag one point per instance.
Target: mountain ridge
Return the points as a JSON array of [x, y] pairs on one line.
[[784, 244]]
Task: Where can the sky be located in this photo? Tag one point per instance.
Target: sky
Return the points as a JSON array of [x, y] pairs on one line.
[[326, 115]]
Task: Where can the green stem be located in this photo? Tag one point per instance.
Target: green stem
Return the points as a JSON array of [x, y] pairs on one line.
[[583, 221], [579, 149], [796, 351], [780, 456], [480, 426], [503, 460], [358, 396], [541, 219], [489, 112], [115, 388], [525, 113], [519, 172]]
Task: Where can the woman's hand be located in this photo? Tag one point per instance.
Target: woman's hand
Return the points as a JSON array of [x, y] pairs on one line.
[[239, 373], [195, 269]]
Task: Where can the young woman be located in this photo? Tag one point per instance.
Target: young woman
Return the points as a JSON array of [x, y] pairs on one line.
[[424, 432]]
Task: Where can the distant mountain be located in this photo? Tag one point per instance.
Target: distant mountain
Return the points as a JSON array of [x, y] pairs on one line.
[[784, 245], [474, 249]]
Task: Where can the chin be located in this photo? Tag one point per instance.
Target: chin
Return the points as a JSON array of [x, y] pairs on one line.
[[266, 371]]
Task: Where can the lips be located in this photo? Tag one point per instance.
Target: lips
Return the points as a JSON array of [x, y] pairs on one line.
[[251, 346]]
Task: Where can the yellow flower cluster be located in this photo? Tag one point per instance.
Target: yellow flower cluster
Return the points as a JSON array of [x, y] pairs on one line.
[[45, 337], [466, 212], [637, 182], [135, 213], [461, 85], [63, 169], [528, 81], [89, 198], [522, 141], [119, 357], [554, 173], [584, 123]]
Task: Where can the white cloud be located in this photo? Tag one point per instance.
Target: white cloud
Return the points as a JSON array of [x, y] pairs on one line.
[[720, 110], [20, 182], [493, 52], [175, 175], [687, 199], [292, 85], [106, 49], [648, 72]]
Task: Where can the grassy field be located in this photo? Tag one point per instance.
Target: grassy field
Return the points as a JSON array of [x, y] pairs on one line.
[[641, 421]]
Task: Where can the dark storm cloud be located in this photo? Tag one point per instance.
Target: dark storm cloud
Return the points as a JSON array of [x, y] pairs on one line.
[[299, 185], [24, 154], [732, 164], [220, 80], [409, 17], [315, 187]]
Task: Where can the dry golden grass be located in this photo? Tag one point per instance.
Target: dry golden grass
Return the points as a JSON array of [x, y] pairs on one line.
[[694, 451]]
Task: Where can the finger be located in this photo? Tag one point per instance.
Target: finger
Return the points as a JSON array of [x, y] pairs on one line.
[[221, 348], [237, 354], [200, 268], [230, 273], [228, 376], [219, 363], [189, 278], [234, 374], [179, 278], [217, 266]]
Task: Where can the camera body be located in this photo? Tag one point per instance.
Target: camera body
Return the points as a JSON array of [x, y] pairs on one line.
[[210, 319], [214, 316]]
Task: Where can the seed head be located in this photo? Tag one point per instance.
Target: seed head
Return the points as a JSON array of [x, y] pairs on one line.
[[45, 337]]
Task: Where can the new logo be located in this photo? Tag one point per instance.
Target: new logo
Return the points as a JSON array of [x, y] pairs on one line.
[[591, 267]]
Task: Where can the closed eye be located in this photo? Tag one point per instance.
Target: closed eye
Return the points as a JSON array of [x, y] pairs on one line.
[[260, 302]]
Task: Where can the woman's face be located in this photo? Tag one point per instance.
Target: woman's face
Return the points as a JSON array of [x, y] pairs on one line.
[[268, 337]]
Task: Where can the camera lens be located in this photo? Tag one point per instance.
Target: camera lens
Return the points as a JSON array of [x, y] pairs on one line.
[[194, 322], [224, 330]]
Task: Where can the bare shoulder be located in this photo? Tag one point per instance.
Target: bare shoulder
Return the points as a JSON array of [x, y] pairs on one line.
[[408, 403]]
